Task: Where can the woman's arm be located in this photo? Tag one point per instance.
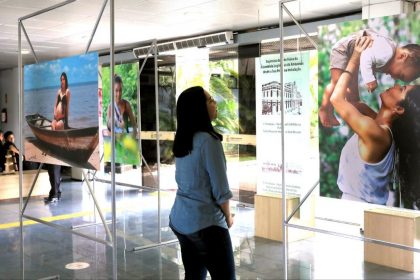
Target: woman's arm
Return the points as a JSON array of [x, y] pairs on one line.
[[359, 123], [131, 116], [226, 211], [68, 104], [14, 149], [55, 106], [108, 117], [214, 160]]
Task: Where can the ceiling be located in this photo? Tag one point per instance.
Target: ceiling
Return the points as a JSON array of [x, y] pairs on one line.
[[66, 30]]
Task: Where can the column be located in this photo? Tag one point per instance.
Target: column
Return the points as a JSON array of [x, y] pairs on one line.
[[379, 8]]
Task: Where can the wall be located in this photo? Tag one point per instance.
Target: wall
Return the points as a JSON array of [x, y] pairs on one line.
[[9, 85]]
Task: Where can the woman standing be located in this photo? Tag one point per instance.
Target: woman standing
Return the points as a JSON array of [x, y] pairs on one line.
[[200, 216], [60, 122], [61, 107], [367, 160]]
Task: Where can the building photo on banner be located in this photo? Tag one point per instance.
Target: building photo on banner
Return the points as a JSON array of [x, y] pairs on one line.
[[127, 150], [373, 154], [61, 111], [300, 122]]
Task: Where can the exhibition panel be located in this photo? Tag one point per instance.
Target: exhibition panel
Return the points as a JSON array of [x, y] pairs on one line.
[[127, 150], [80, 142], [62, 126], [391, 36], [341, 53]]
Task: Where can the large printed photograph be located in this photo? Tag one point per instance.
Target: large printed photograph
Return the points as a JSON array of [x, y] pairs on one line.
[[127, 150], [61, 111], [369, 110]]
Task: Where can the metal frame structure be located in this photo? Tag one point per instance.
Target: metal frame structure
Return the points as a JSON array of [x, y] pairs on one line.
[[111, 235], [153, 50], [286, 218]]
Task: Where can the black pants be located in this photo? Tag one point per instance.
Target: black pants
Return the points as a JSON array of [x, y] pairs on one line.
[[208, 249], [54, 173]]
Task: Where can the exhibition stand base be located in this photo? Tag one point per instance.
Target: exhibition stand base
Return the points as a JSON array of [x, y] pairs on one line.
[[268, 218], [9, 186], [396, 226]]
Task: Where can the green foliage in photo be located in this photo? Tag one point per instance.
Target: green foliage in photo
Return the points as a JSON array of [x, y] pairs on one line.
[[128, 73], [126, 146], [222, 85]]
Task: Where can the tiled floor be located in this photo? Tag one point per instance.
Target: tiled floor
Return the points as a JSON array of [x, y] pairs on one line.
[[47, 250]]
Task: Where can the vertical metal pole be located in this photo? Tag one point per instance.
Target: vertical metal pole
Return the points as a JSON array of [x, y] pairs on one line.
[[93, 195], [22, 256], [138, 133], [283, 162], [111, 91], [157, 141]]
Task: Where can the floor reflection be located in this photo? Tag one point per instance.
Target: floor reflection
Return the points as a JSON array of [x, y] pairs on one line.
[[47, 250]]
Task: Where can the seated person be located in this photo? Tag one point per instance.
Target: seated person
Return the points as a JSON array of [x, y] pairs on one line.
[[2, 152], [9, 146]]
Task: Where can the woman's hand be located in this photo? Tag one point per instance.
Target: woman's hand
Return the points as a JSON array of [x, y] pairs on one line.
[[362, 43], [121, 124], [229, 220]]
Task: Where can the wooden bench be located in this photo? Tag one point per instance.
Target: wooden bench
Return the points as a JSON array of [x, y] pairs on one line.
[[396, 226], [9, 184]]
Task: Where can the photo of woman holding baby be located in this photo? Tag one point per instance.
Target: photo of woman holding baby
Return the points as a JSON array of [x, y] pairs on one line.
[[387, 72]]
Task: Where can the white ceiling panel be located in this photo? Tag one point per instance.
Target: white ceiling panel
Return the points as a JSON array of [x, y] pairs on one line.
[[66, 30]]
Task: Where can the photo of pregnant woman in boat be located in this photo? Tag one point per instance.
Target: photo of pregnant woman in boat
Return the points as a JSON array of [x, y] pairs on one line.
[[62, 125]]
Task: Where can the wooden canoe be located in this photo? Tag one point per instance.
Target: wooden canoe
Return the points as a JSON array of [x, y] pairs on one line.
[[77, 143]]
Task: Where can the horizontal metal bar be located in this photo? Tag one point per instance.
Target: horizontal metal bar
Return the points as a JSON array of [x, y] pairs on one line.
[[349, 236], [90, 224], [53, 277], [46, 9], [337, 221], [300, 27], [125, 184], [65, 229], [154, 245], [286, 1]]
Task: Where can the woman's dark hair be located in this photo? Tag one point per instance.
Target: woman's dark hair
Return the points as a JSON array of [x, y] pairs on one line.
[[65, 79], [406, 131], [118, 80], [192, 116], [7, 134]]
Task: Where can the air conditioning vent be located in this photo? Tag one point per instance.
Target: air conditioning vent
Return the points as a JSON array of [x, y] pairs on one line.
[[217, 39], [164, 47]]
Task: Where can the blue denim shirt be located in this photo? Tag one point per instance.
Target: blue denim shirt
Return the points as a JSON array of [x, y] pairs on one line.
[[202, 186]]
